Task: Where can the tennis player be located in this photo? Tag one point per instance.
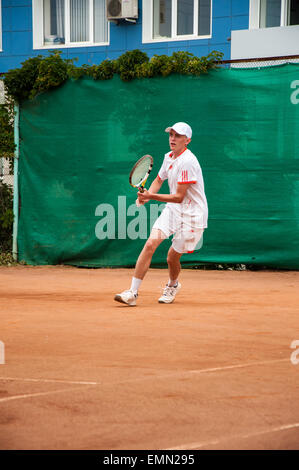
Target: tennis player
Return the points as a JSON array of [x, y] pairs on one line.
[[185, 214]]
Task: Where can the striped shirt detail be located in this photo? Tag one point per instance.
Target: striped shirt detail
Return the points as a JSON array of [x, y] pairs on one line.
[[184, 178], [186, 182]]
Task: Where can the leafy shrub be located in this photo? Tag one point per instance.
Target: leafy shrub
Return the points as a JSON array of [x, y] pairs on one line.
[[20, 82], [39, 74], [7, 145], [6, 217], [6, 259], [7, 148], [52, 72]]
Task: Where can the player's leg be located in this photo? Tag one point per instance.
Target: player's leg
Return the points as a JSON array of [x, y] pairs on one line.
[[142, 265], [174, 266], [145, 257], [185, 240], [173, 286]]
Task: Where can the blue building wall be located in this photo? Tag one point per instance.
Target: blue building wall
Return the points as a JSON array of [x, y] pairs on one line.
[[17, 43]]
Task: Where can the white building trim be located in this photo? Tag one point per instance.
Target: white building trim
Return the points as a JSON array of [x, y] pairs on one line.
[[38, 28], [148, 21]]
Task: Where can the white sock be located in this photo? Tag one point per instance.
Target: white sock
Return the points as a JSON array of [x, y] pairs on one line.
[[172, 283], [135, 284]]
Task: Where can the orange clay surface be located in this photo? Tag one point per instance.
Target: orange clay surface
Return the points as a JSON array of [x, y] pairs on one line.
[[211, 371]]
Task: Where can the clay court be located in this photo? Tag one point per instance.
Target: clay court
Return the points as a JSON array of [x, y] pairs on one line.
[[211, 371]]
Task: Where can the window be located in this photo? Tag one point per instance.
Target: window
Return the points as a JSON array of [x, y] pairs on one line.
[[293, 12], [166, 20], [273, 13], [69, 23]]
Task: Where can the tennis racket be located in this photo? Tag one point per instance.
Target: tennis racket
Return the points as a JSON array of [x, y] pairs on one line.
[[140, 172]]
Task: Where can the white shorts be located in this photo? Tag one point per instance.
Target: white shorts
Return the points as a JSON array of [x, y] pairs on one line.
[[186, 238]]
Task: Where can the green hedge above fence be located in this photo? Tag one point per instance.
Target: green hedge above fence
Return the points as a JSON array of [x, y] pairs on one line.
[[41, 73]]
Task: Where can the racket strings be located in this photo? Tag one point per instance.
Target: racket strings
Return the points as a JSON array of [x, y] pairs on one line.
[[140, 171]]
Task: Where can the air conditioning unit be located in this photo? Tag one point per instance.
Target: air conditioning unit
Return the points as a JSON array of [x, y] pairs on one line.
[[122, 9]]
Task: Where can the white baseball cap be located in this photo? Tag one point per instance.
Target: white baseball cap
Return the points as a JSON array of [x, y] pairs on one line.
[[181, 128]]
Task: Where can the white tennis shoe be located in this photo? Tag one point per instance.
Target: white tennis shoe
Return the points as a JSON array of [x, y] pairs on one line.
[[126, 297], [169, 294]]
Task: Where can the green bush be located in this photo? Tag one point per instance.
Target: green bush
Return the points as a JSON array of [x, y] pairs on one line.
[[20, 82], [7, 148], [7, 145], [6, 259], [41, 73], [6, 217], [52, 71]]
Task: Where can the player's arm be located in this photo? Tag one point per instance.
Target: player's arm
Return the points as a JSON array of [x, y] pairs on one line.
[[156, 185], [178, 197]]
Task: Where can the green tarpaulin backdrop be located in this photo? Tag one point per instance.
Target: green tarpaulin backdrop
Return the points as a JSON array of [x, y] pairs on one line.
[[78, 143]]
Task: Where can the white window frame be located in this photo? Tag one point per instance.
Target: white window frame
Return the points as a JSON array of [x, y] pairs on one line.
[[147, 24], [38, 29], [254, 14]]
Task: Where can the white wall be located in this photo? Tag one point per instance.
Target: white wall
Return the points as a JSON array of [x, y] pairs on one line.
[[265, 42]]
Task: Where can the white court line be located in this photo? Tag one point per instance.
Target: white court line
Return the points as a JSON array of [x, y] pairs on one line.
[[153, 377], [199, 445], [39, 394], [74, 382], [238, 366], [198, 371]]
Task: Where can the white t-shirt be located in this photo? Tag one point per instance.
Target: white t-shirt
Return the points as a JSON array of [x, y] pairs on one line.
[[182, 170]]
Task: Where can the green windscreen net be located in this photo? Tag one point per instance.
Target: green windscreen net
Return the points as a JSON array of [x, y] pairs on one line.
[[79, 142]]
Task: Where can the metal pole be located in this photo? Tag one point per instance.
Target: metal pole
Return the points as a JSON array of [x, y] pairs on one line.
[[16, 184]]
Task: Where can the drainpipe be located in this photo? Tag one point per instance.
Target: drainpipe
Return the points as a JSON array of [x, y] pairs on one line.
[[16, 184]]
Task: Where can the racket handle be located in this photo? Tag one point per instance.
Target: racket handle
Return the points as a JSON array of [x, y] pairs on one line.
[[141, 190], [138, 204]]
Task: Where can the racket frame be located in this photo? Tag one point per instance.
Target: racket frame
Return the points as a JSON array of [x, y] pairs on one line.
[[140, 186]]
